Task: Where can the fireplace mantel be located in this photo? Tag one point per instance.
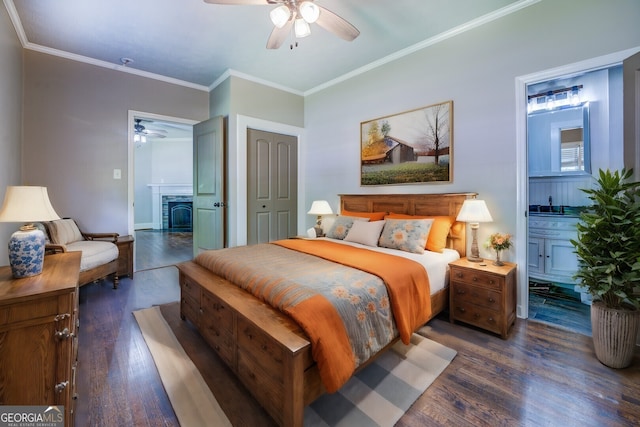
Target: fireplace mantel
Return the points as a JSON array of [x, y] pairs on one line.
[[160, 190]]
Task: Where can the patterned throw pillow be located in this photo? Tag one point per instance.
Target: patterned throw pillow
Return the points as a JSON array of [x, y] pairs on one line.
[[341, 226], [439, 232], [409, 235]]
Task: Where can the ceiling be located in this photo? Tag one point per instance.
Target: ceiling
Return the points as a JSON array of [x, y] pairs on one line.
[[195, 44]]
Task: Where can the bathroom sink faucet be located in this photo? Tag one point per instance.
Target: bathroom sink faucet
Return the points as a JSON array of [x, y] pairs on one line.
[[550, 201]]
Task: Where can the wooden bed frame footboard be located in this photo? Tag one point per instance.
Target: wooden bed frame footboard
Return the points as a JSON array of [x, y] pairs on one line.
[[266, 349]]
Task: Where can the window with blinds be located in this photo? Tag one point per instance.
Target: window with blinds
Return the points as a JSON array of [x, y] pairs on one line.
[[571, 150]]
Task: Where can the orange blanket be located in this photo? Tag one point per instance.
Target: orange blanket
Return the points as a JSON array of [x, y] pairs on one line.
[[408, 287]]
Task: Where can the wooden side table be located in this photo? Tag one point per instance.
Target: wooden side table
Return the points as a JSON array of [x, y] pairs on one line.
[[125, 259], [39, 339], [483, 295]]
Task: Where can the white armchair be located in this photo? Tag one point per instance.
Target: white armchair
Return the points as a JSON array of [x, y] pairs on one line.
[[99, 252]]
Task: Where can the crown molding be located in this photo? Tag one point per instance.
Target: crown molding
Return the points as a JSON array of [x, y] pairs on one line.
[[514, 7]]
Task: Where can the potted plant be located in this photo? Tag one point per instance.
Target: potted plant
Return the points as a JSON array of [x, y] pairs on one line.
[[608, 249]]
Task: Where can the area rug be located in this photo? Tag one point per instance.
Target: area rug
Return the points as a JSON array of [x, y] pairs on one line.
[[377, 396]]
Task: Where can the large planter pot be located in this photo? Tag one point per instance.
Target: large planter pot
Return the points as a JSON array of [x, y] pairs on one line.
[[614, 334]]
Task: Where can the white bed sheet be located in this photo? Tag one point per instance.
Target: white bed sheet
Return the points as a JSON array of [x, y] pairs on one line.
[[436, 264]]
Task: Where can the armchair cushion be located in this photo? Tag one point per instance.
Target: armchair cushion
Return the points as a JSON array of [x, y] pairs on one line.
[[94, 253], [64, 231]]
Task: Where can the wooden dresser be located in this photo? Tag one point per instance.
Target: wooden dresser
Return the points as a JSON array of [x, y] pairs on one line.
[[38, 335], [483, 295]]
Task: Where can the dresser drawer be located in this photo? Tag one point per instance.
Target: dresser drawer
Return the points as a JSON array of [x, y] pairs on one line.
[[190, 308], [219, 339], [189, 288], [255, 378], [478, 278], [214, 309], [477, 295], [482, 317], [253, 341]]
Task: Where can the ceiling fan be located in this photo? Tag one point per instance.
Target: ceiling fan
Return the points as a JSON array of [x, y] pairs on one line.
[[141, 132], [298, 15]]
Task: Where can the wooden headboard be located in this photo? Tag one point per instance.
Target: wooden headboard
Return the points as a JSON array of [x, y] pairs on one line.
[[447, 204]]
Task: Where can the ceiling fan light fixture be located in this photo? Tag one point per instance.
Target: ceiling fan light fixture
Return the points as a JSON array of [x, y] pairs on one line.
[[280, 15], [309, 11], [301, 28]]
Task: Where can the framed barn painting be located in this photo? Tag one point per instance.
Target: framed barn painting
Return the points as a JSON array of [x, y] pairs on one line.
[[414, 147]]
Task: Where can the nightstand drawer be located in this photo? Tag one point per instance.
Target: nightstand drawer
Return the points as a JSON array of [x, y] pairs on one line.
[[482, 317], [477, 295], [479, 278]]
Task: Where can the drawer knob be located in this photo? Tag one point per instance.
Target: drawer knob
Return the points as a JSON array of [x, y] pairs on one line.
[[491, 319], [491, 300], [475, 279], [492, 282], [459, 275], [461, 309], [59, 388], [460, 291], [63, 334]]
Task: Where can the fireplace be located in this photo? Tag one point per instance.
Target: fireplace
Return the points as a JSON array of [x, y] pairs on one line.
[[177, 213], [180, 216]]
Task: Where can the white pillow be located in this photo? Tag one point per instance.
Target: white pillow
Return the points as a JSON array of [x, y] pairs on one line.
[[366, 233]]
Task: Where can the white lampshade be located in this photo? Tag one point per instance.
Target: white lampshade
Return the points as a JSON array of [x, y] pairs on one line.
[[320, 207], [27, 204], [26, 247], [280, 15], [474, 211], [309, 11], [301, 28]]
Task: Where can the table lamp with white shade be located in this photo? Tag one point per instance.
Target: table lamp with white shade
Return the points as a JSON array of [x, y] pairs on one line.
[[319, 208], [27, 204], [474, 212]]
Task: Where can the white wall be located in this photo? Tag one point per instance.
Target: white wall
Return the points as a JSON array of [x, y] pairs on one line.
[[478, 71], [10, 119]]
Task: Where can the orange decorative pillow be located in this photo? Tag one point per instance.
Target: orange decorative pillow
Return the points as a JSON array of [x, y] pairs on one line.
[[437, 240], [373, 216]]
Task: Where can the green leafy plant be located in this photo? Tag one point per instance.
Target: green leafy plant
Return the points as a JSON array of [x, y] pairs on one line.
[[608, 242]]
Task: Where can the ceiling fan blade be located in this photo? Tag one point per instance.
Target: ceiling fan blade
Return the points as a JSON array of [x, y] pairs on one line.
[[279, 35], [238, 2], [155, 135], [337, 25]]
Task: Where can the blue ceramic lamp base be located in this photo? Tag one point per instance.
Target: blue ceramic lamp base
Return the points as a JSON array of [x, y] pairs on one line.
[[26, 252]]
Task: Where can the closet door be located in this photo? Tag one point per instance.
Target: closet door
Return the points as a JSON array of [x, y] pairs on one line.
[[272, 173]]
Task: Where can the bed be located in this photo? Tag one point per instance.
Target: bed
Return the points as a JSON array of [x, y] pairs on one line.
[[270, 352]]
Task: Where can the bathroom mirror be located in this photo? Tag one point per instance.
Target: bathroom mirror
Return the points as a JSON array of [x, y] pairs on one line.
[[558, 141]]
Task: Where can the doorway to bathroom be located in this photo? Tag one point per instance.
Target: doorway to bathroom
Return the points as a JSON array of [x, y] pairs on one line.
[[574, 128]]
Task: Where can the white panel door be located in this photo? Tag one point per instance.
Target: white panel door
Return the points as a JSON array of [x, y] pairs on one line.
[[208, 185]]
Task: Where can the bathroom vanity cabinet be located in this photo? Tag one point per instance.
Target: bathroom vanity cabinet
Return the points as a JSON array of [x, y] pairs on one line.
[[551, 254]]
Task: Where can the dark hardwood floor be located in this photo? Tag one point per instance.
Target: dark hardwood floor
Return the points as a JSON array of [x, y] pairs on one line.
[[540, 375]]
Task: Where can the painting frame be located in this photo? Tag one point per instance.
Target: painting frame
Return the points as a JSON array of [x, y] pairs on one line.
[[412, 147]]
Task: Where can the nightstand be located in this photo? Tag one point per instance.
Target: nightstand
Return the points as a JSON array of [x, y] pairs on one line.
[[125, 259], [483, 295]]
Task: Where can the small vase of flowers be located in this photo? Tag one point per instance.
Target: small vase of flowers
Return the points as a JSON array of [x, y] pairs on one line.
[[499, 242]]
